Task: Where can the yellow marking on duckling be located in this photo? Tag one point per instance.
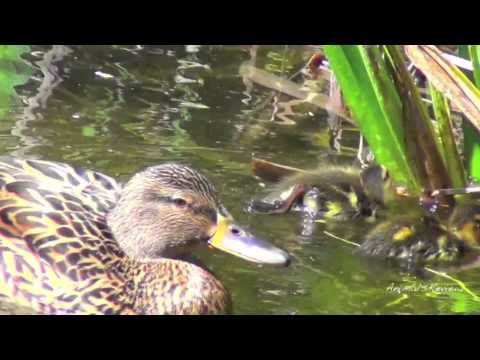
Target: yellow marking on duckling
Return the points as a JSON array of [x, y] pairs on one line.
[[403, 234], [442, 242], [442, 247], [334, 208], [353, 199], [371, 219], [467, 233]]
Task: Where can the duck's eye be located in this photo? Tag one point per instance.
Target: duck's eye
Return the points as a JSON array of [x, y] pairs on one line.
[[179, 202]]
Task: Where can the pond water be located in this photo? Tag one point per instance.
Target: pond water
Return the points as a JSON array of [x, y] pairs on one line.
[[118, 109]]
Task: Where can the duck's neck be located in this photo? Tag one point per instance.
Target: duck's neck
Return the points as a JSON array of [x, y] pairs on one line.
[[167, 286]]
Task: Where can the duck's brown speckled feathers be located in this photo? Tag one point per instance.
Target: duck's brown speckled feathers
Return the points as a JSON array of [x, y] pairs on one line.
[[58, 256]]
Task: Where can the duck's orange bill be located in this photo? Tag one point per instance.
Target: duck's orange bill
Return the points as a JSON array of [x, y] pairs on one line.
[[234, 240]]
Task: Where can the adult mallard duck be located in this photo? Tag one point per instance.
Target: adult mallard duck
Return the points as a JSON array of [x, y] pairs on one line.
[[73, 241], [330, 192], [419, 239]]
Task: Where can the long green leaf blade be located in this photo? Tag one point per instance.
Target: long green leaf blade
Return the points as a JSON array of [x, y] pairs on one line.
[[449, 147], [471, 139], [374, 102]]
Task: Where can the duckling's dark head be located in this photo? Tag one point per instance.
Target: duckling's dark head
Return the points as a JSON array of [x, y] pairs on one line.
[[377, 183], [465, 222], [168, 210]]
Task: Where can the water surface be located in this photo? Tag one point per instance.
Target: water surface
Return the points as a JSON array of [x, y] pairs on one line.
[[118, 109]]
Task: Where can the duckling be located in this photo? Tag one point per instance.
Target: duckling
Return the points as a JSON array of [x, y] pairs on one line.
[[465, 223], [420, 239], [333, 192], [74, 241]]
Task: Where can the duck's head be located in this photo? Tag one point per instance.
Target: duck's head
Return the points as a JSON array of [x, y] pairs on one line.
[[465, 222], [377, 184], [170, 209]]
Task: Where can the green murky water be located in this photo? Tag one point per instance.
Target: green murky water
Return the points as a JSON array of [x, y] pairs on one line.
[[119, 109]]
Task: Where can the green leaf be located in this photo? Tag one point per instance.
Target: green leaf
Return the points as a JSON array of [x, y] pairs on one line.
[[371, 95], [447, 139], [423, 147], [448, 79], [471, 139], [474, 51], [13, 72]]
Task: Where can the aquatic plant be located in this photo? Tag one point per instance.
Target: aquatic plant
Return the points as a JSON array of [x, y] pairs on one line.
[[13, 72], [394, 118]]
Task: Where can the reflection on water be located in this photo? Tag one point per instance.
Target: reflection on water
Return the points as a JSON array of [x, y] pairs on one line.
[[121, 108], [49, 80]]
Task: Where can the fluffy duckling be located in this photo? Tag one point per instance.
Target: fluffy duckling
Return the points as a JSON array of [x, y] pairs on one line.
[[419, 239], [332, 192]]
